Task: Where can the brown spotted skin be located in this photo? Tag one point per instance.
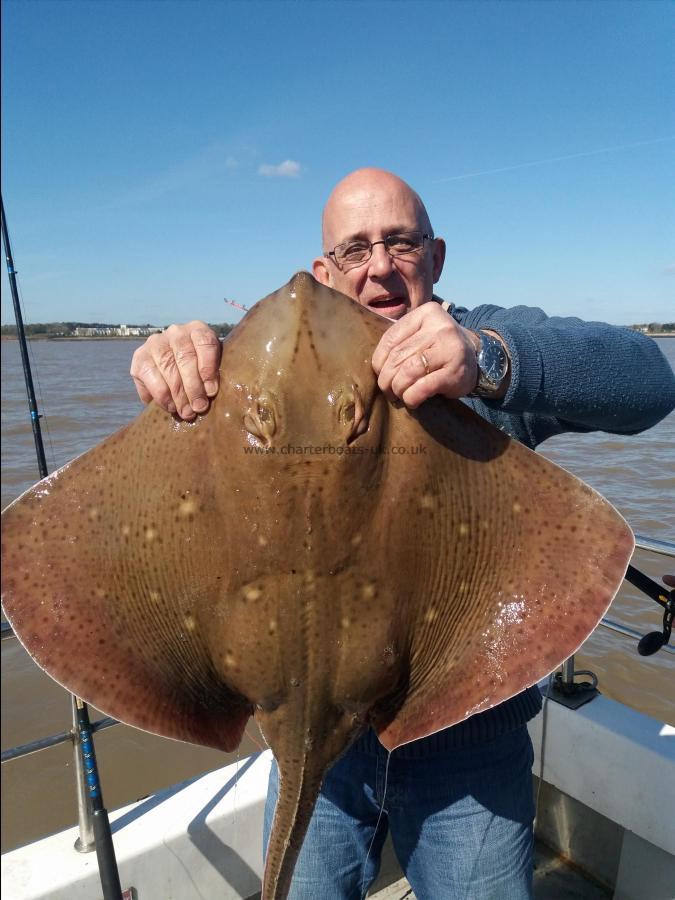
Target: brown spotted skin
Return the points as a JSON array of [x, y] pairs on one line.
[[281, 556]]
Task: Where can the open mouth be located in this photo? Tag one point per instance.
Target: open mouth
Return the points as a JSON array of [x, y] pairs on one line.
[[387, 306]]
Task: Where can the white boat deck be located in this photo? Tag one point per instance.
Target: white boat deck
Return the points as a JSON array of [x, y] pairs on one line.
[[608, 792], [553, 880]]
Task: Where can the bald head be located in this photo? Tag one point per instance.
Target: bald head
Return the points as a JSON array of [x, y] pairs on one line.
[[374, 190], [370, 205]]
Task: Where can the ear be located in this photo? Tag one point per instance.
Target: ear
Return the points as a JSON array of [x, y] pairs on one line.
[[321, 270], [438, 257]]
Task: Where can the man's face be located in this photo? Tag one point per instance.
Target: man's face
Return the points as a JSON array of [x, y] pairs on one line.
[[389, 286]]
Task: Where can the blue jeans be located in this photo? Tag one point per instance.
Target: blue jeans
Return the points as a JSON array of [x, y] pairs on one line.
[[460, 822]]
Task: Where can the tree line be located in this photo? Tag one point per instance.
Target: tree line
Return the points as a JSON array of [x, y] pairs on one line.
[[222, 329], [656, 327], [67, 329]]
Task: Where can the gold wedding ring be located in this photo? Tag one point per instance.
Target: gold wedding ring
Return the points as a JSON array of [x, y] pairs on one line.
[[425, 363]]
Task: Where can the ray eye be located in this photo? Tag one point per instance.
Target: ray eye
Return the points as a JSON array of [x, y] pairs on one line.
[[261, 420], [347, 413], [352, 413]]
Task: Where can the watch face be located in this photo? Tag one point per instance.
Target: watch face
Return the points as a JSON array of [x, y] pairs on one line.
[[492, 365]]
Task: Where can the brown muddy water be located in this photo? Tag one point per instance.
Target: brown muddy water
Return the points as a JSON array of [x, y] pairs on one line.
[[85, 395]]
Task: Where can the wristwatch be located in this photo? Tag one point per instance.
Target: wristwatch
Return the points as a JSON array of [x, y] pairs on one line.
[[493, 366]]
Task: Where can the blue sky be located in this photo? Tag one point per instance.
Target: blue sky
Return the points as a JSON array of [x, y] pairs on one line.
[[159, 156]]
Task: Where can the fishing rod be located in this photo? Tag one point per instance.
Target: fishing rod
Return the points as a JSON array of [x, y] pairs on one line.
[[105, 850], [27, 375], [654, 640], [236, 305]]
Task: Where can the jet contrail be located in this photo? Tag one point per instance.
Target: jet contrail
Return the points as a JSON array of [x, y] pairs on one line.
[[541, 162]]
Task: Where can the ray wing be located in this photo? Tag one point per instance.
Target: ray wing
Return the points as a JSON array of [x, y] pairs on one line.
[[515, 561], [114, 571]]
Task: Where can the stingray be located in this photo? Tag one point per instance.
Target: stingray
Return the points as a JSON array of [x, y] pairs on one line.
[[309, 554]]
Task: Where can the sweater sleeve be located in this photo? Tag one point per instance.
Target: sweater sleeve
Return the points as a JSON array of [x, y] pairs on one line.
[[585, 376]]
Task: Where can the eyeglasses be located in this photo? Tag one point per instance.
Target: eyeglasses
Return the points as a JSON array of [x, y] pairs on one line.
[[351, 254]]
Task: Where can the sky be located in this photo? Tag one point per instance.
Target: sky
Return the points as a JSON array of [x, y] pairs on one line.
[[158, 157]]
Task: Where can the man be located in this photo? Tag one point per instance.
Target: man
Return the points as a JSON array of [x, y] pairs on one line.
[[459, 803], [179, 368]]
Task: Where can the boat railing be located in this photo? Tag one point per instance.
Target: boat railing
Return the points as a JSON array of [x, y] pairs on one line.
[[570, 692], [563, 686], [665, 548]]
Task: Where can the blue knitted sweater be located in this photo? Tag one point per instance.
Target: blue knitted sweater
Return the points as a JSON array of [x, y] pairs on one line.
[[566, 375]]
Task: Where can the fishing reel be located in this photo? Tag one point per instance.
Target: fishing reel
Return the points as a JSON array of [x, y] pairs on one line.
[[652, 642]]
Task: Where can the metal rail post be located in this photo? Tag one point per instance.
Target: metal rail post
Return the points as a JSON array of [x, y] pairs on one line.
[[567, 679], [85, 843]]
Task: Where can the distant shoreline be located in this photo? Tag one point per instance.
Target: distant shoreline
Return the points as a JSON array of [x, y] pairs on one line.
[[136, 337], [78, 338]]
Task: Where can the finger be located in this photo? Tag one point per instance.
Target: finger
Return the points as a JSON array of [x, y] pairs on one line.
[[149, 382], [167, 367], [406, 360], [401, 331], [669, 580], [187, 362], [423, 389], [453, 354], [196, 351], [143, 393], [429, 372], [209, 350], [411, 369]]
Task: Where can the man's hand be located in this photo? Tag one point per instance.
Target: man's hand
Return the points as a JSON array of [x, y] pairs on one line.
[[426, 353], [178, 369]]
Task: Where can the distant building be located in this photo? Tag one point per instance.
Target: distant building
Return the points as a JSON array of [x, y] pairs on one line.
[[116, 330], [137, 330], [95, 331]]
